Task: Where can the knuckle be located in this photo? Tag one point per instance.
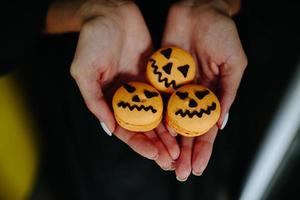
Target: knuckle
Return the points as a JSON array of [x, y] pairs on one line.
[[130, 5], [245, 62], [205, 78], [74, 71], [229, 22]]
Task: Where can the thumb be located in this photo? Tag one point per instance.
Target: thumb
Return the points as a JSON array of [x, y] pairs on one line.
[[91, 91], [230, 78]]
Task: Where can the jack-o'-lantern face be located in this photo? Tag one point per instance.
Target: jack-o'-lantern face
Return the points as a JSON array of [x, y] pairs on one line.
[[137, 105], [169, 68], [193, 110]]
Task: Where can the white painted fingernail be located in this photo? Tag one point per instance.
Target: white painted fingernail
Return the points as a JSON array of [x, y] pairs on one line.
[[224, 121], [197, 173], [180, 179], [155, 157], [172, 168], [104, 127], [171, 131]]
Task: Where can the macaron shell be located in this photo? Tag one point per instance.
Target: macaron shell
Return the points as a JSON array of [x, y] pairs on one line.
[[207, 111], [186, 132], [138, 128]]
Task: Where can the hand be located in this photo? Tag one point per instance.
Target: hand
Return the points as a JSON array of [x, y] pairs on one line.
[[113, 47], [209, 34]]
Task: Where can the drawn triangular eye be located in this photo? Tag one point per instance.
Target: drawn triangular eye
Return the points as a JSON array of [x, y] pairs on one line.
[[150, 94], [167, 68], [166, 53], [129, 88], [182, 95], [184, 70], [201, 94]]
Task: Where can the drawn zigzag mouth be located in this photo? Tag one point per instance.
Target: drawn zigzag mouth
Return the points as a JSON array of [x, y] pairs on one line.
[[159, 74], [190, 114], [139, 108]]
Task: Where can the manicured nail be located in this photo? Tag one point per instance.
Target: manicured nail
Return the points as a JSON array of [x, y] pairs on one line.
[[225, 120], [104, 127], [172, 168], [165, 169], [180, 179], [175, 153], [171, 131], [197, 173], [155, 157]]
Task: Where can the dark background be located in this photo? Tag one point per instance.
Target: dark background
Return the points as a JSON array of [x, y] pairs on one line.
[[80, 162]]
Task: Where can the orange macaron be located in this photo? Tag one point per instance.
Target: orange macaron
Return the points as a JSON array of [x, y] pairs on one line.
[[137, 107], [169, 68], [192, 110]]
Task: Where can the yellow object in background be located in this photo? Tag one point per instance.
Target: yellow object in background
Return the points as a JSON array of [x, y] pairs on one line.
[[18, 147]]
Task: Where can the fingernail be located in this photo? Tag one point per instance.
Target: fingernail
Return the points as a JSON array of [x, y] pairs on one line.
[[181, 179], [225, 120], [165, 169], [171, 131], [104, 127], [197, 173], [172, 168], [175, 154], [155, 157]]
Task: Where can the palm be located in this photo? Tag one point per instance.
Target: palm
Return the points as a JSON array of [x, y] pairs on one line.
[[113, 49]]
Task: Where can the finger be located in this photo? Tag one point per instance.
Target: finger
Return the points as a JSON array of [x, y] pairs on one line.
[[168, 140], [230, 77], [202, 151], [208, 74], [93, 96], [138, 142], [164, 160], [183, 164]]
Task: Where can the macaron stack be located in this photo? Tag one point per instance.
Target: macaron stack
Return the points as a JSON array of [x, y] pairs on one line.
[[191, 110]]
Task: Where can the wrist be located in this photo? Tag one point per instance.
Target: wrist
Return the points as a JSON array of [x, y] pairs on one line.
[[226, 7], [69, 16], [92, 9]]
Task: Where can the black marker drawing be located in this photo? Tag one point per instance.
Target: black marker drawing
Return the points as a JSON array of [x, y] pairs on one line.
[[184, 70], [166, 53], [201, 94], [199, 114], [160, 79], [124, 105], [150, 94]]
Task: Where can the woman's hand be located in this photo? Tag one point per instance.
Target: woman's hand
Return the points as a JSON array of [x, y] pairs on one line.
[[207, 31], [113, 48]]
